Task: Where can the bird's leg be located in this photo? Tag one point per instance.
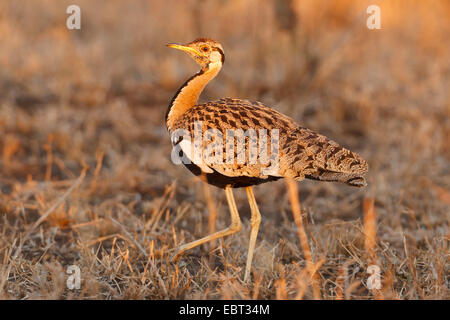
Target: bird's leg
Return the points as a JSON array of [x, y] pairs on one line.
[[255, 220], [233, 228]]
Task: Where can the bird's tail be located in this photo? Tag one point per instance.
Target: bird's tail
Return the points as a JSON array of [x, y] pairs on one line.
[[354, 180]]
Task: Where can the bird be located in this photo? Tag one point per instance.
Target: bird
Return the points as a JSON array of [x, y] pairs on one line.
[[301, 152]]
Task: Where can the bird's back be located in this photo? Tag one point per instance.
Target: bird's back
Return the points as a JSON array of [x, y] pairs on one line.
[[302, 152]]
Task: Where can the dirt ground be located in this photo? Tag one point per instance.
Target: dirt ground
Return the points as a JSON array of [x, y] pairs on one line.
[[86, 178]]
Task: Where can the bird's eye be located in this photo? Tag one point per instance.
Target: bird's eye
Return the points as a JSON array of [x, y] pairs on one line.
[[205, 49]]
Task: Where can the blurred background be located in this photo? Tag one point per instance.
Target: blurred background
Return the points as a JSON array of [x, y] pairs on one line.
[[96, 98]]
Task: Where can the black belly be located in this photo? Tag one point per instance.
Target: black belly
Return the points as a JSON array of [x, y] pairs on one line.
[[221, 181]]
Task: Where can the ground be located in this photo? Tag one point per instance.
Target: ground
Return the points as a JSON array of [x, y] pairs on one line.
[[86, 178]]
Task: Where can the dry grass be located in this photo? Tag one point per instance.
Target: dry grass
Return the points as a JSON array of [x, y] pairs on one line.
[[86, 178]]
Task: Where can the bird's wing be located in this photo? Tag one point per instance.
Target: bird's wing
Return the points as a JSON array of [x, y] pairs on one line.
[[246, 119], [188, 154], [302, 152]]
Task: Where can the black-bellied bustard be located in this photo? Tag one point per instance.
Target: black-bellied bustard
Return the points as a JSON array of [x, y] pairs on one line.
[[220, 140]]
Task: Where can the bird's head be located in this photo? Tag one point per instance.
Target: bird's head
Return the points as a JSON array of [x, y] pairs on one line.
[[206, 52]]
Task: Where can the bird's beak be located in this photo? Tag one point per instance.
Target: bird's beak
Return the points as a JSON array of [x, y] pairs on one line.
[[185, 49]]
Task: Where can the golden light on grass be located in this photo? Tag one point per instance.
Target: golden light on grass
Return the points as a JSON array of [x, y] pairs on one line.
[[48, 148], [370, 234], [296, 211], [370, 239], [10, 146]]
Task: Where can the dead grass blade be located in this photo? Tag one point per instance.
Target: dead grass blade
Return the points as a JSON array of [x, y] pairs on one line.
[[370, 236], [129, 236], [49, 211], [296, 211]]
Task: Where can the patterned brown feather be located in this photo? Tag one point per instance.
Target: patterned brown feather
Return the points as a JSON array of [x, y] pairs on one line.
[[303, 153]]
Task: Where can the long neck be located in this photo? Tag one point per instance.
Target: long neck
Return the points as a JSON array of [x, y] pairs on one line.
[[187, 96]]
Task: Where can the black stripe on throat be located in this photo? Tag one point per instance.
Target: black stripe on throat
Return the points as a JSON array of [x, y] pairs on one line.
[[179, 90]]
